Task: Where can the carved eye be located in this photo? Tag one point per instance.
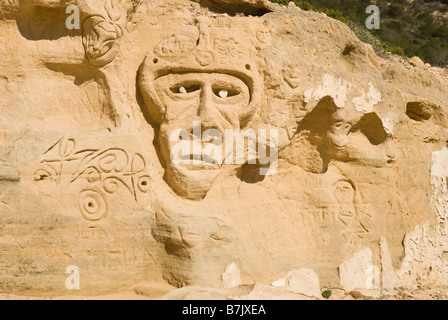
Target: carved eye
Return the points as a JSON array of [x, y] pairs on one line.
[[225, 93], [184, 89], [339, 125], [342, 125]]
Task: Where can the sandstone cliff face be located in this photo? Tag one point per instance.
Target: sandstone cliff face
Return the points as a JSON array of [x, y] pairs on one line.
[[358, 194]]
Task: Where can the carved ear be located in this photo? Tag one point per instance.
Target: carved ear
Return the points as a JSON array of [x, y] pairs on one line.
[[146, 79], [254, 83]]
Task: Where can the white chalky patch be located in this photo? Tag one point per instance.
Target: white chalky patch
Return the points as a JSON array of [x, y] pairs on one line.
[[336, 88], [367, 101], [388, 125], [223, 94]]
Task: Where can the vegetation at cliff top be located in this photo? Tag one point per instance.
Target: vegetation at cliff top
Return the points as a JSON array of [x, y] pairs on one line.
[[408, 28]]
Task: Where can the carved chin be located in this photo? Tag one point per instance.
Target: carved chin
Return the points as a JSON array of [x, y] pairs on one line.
[[190, 183]]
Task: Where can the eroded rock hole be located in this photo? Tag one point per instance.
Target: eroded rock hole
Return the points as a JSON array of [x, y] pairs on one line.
[[419, 111]]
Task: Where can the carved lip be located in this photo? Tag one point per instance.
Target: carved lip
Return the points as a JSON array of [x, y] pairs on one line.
[[338, 146], [204, 166], [203, 158], [390, 162], [204, 161]]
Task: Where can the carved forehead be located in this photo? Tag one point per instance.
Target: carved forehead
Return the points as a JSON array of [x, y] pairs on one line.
[[204, 48]]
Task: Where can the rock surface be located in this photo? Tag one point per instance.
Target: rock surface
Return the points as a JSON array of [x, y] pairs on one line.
[[359, 272], [110, 158], [232, 277], [417, 62], [303, 281]]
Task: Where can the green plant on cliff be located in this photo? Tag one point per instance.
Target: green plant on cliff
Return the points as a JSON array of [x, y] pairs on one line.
[[327, 294], [335, 14], [408, 28]]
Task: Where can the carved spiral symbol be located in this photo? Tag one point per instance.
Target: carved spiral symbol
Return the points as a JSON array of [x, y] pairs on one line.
[[111, 185], [92, 205]]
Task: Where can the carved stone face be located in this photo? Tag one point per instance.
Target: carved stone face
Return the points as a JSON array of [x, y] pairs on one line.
[[338, 134], [345, 195], [213, 99], [264, 36]]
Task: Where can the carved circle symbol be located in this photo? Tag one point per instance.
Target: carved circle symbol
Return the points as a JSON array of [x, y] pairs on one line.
[[92, 205], [143, 184]]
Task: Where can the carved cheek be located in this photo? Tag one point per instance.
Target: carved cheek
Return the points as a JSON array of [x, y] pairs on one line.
[[182, 113], [177, 109], [231, 109], [231, 114], [165, 144]]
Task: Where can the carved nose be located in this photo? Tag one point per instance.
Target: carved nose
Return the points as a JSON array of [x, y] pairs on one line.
[[208, 113], [390, 152]]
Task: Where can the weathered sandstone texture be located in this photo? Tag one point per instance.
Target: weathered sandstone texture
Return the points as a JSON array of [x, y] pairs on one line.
[[358, 198]]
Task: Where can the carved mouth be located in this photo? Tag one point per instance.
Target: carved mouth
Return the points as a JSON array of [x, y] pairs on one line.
[[205, 167], [339, 147], [390, 162], [200, 162], [203, 158]]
